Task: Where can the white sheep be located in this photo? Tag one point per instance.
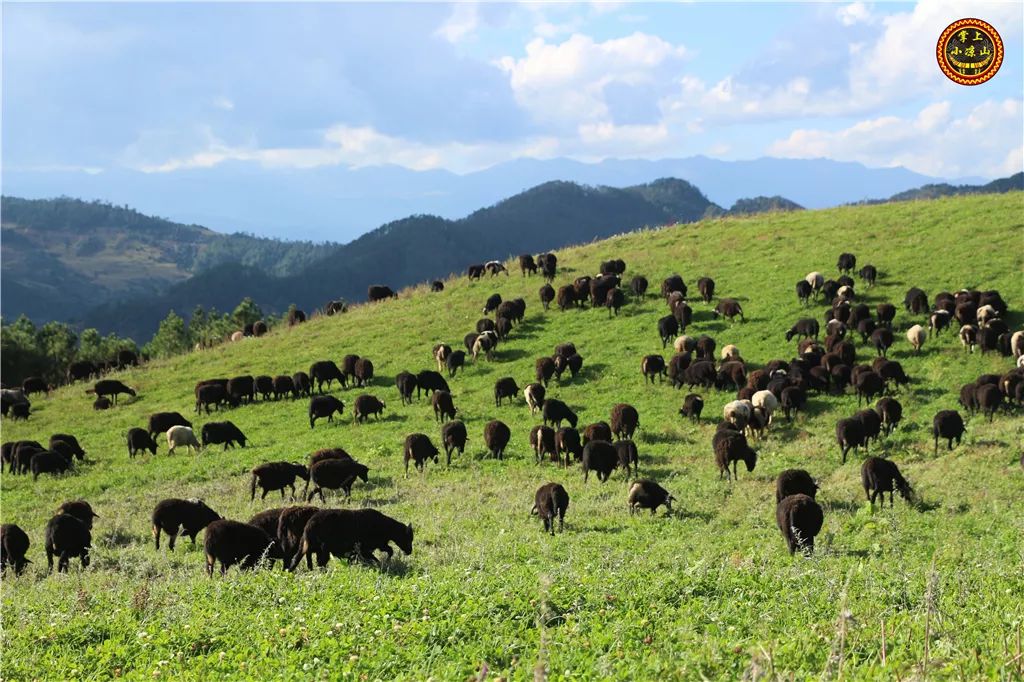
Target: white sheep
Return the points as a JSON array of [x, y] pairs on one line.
[[730, 352], [532, 399], [916, 336], [969, 336], [767, 401], [986, 314], [684, 344], [816, 280], [237, 336], [1017, 345], [845, 293], [737, 413], [181, 435]]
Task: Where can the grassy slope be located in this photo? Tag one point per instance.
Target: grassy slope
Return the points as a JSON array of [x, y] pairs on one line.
[[708, 592]]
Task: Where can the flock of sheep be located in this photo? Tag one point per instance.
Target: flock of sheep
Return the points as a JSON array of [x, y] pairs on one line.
[[779, 387]]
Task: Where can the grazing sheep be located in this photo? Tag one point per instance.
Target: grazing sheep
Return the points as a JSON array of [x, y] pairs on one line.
[[683, 314], [792, 400], [334, 474], [916, 336], [731, 373], [544, 369], [215, 394], [406, 384], [542, 442], [547, 295], [453, 437], [21, 411], [652, 366], [882, 338], [624, 420], [264, 386], [234, 542], [242, 388], [937, 321], [969, 336], [475, 271], [22, 454], [766, 401], [326, 371], [379, 292], [668, 328], [189, 516], [729, 308], [847, 262], [638, 286], [677, 365], [891, 371], [804, 291], [599, 456], [705, 349], [628, 456], [492, 303], [868, 384], [850, 434], [804, 328], [685, 344], [110, 387], [138, 440], [880, 476], [646, 494], [872, 424], [345, 532], [419, 449], [363, 372], [284, 385], [794, 482], [215, 433], [429, 381], [566, 297], [614, 300], [34, 385], [706, 287], [597, 431], [885, 313], [328, 453], [737, 413], [276, 476], [966, 313], [1017, 345], [444, 406], [550, 502], [800, 519], [567, 441], [730, 447], [81, 510], [365, 405], [290, 524], [455, 361], [526, 264], [496, 437], [14, 543], [700, 373], [534, 394], [348, 366], [485, 343], [916, 301], [890, 412], [988, 397], [693, 405], [321, 406], [302, 385], [441, 352], [67, 537], [574, 362], [869, 273], [555, 412], [181, 435], [731, 352]]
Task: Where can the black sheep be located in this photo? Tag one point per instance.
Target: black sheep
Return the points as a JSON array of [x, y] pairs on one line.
[[290, 525], [328, 453], [303, 386], [455, 361], [804, 291], [444, 407], [67, 537], [800, 519], [705, 349], [215, 395], [493, 301], [242, 388], [880, 476], [71, 442], [321, 406], [542, 442], [526, 264], [847, 262], [544, 369], [234, 542], [850, 434], [706, 287], [597, 431], [872, 425], [21, 455], [693, 405], [269, 521], [629, 458], [14, 543], [550, 502], [732, 373], [379, 292], [646, 494], [406, 384], [324, 372], [419, 449], [868, 384], [566, 297], [81, 510], [792, 400], [555, 412], [138, 439], [729, 308], [437, 285], [264, 386], [348, 365], [794, 482], [949, 425], [676, 370], [882, 338], [475, 271], [614, 300], [600, 457], [886, 313], [496, 437], [227, 433], [364, 372], [673, 283], [566, 350], [343, 532], [869, 273], [534, 394], [284, 385], [700, 373], [638, 285], [730, 447], [652, 366], [547, 295], [276, 476], [567, 442], [48, 462], [110, 387], [162, 421], [624, 420], [804, 328], [366, 405], [575, 363], [335, 474], [668, 328], [989, 398], [453, 437], [190, 516]]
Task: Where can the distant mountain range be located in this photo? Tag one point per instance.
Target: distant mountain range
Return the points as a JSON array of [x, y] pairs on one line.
[[340, 203], [112, 268]]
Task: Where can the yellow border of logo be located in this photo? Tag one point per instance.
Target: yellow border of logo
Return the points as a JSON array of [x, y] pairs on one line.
[[943, 58]]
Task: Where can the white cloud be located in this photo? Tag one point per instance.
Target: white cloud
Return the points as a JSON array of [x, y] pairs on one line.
[[987, 141], [462, 22], [854, 13], [563, 83], [223, 103]]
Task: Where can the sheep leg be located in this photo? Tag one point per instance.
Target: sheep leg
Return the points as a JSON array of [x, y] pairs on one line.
[[172, 537]]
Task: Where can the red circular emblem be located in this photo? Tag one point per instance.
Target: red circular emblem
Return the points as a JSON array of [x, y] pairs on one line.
[[969, 51]]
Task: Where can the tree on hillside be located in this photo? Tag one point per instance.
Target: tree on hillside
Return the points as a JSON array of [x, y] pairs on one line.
[[58, 343], [170, 339], [247, 312]]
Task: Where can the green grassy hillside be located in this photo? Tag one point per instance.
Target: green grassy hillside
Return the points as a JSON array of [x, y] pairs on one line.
[[707, 592]]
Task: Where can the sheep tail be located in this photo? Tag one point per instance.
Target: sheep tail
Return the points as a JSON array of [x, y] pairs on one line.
[[533, 512]]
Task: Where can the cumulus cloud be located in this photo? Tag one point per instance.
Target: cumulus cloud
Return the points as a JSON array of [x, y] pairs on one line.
[[854, 13], [987, 140]]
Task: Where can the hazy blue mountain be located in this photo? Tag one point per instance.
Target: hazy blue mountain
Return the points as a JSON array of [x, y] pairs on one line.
[[339, 203]]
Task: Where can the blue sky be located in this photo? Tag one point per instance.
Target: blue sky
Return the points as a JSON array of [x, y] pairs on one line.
[[164, 88]]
